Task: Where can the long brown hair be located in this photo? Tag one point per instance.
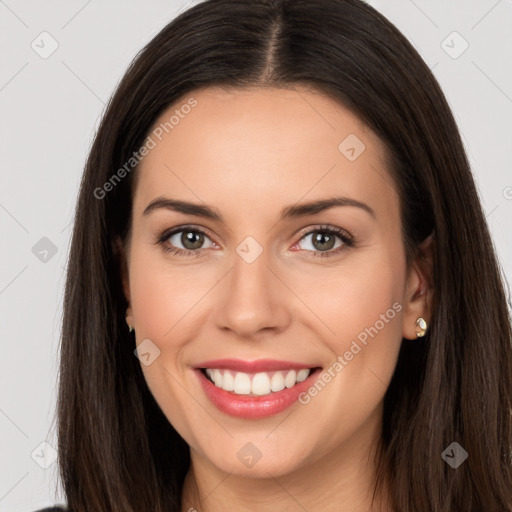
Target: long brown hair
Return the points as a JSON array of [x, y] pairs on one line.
[[117, 451]]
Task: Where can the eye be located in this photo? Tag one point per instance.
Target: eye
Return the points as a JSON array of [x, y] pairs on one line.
[[324, 239], [191, 239]]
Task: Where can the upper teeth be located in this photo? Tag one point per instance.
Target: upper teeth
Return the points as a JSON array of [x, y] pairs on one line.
[[256, 383]]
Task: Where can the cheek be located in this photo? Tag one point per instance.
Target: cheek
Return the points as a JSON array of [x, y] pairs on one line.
[[361, 306], [166, 303], [165, 297], [353, 296]]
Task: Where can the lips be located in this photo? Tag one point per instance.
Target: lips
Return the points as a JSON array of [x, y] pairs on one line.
[[254, 389]]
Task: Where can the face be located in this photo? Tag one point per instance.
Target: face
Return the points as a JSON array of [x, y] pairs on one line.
[[318, 298]]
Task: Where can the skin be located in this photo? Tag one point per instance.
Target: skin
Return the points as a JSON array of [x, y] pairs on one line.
[[250, 153]]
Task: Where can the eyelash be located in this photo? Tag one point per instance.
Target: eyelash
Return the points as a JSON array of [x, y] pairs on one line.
[[347, 239]]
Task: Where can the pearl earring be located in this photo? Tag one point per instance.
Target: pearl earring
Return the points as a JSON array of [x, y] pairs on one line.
[[422, 326]]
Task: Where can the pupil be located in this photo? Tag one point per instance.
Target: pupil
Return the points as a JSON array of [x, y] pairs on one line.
[[323, 238], [192, 240]]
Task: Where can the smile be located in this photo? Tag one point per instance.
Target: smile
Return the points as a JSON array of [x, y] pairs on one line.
[[258, 384], [254, 389]]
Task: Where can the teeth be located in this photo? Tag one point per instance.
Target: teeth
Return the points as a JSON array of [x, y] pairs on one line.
[[290, 379], [277, 382], [217, 378], [302, 375], [228, 382], [259, 384], [242, 385]]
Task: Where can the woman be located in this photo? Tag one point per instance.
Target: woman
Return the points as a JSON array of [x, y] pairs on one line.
[[278, 218]]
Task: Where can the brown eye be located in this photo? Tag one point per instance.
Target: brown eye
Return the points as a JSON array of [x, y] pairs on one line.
[[185, 241], [326, 241], [323, 241], [192, 239]]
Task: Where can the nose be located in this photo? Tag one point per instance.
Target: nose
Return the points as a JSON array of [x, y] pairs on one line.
[[253, 299]]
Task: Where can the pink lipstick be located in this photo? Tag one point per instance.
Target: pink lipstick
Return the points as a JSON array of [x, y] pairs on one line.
[[254, 389]]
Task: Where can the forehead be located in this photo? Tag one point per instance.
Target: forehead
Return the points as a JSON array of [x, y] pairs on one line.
[[262, 146]]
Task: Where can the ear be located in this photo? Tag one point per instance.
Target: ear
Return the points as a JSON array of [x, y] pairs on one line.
[[122, 261], [418, 289]]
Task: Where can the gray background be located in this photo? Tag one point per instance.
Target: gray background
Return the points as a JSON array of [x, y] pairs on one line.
[[49, 110]]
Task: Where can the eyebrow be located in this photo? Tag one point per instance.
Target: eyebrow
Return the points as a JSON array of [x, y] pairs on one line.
[[290, 212]]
